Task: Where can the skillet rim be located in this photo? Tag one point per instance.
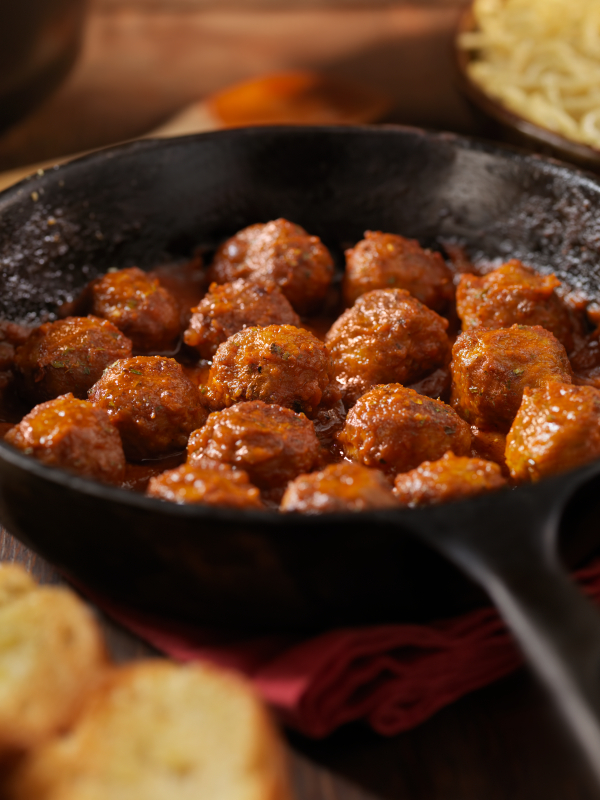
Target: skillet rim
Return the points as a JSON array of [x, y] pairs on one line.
[[273, 517], [477, 143]]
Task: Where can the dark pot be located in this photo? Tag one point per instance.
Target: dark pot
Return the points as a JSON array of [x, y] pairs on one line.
[[39, 41]]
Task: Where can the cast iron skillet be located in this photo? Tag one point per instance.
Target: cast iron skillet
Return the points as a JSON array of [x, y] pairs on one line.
[[150, 201]]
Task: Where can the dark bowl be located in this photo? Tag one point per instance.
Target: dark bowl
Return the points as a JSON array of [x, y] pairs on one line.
[[499, 122], [39, 41], [152, 201]]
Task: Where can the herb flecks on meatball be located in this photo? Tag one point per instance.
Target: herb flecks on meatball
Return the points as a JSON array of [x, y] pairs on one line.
[[280, 253], [74, 435], [139, 307], [339, 487], [152, 403], [66, 356], [271, 443], [448, 479], [557, 428], [491, 368], [388, 261], [278, 364], [231, 307], [394, 429], [386, 337], [209, 486], [514, 294]]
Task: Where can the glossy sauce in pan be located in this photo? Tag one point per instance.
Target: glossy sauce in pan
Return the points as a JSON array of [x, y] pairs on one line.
[[187, 283]]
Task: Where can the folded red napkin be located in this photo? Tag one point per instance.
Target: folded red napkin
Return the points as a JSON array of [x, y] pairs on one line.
[[392, 676]]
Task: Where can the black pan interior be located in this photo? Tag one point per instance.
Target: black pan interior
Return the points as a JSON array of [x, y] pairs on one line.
[[156, 201]]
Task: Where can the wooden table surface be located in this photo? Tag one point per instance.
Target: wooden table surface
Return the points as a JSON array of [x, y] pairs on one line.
[[143, 60]]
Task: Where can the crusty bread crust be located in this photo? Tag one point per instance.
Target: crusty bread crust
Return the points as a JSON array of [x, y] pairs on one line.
[[52, 655], [159, 731]]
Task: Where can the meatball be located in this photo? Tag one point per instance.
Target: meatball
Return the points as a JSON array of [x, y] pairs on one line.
[[74, 435], [68, 356], [395, 429], [450, 478], [514, 294], [281, 253], [387, 261], [556, 428], [229, 262], [272, 444], [152, 403], [339, 487], [277, 364], [490, 369], [139, 307], [216, 486], [230, 308], [386, 337]]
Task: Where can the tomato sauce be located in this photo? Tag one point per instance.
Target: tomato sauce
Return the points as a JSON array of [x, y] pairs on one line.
[[188, 284]]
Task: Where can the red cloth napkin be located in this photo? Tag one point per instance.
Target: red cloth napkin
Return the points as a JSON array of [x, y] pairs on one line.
[[391, 676]]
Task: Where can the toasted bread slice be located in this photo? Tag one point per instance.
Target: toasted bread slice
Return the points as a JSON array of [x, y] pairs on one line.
[[160, 731], [51, 655]]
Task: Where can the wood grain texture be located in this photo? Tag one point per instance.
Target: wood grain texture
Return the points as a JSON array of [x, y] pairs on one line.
[[139, 66], [175, 5], [261, 5]]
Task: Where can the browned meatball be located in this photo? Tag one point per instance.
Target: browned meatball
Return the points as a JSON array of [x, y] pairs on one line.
[[387, 261], [514, 294], [139, 307], [339, 487], [556, 428], [230, 308], [68, 356], [490, 369], [395, 429], [448, 479], [153, 404], [281, 253], [272, 444], [216, 486], [74, 435], [386, 337], [277, 364], [229, 262]]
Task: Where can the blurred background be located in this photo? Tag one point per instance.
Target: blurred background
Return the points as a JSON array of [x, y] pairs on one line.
[[141, 61]]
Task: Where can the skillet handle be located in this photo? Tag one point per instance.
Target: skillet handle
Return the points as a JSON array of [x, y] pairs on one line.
[[512, 555], [558, 631]]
